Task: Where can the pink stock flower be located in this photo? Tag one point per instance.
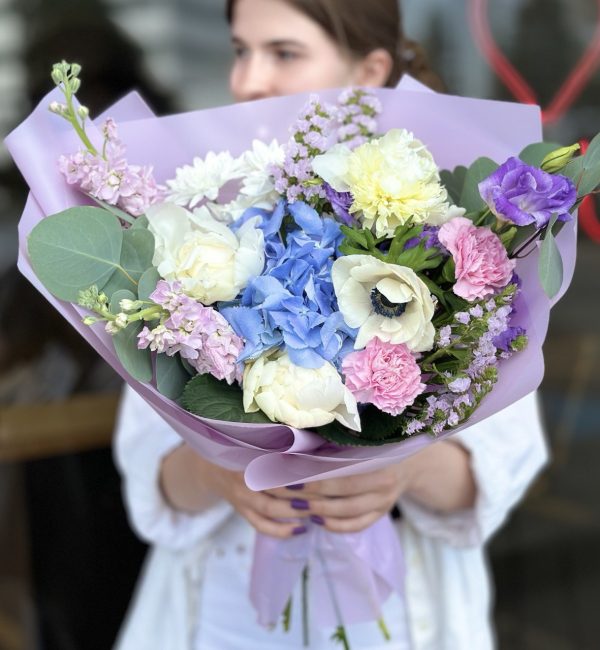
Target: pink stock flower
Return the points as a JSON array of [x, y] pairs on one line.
[[482, 263], [109, 177], [384, 374]]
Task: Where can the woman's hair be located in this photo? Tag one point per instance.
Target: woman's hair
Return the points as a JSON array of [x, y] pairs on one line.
[[361, 26]]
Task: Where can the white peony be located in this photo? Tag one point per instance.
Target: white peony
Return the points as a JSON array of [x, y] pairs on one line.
[[300, 397], [384, 300], [212, 262]]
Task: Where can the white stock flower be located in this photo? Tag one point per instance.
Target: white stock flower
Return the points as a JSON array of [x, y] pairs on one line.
[[384, 300], [203, 179], [393, 180], [300, 397], [212, 262]]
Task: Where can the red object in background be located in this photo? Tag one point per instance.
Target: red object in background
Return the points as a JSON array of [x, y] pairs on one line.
[[562, 101]]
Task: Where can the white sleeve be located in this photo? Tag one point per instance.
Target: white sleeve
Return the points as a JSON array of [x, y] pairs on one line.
[[507, 450], [142, 440]]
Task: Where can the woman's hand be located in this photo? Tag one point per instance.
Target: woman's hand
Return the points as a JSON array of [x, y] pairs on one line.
[[438, 477]]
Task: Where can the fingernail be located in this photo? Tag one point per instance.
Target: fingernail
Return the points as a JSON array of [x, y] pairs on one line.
[[297, 486], [300, 504], [299, 530], [317, 519]]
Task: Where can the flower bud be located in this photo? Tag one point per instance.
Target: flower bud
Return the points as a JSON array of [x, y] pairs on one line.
[[121, 321], [75, 85], [57, 74], [75, 69], [57, 108], [111, 327], [83, 112], [556, 160], [90, 320]]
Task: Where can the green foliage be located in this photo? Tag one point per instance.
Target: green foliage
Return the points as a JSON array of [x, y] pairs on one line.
[[147, 283], [206, 396], [377, 428], [135, 260], [137, 362], [534, 153], [171, 376], [470, 199], [550, 266], [75, 249], [454, 182], [584, 171]]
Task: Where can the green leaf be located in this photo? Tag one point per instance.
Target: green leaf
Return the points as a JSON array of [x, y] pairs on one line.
[[136, 257], [114, 210], [584, 171], [449, 270], [356, 236], [147, 283], [206, 396], [550, 266], [75, 249], [378, 428], [138, 363], [454, 181], [140, 222], [470, 199], [534, 153], [171, 376]]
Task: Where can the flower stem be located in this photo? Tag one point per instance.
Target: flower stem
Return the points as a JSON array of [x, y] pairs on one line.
[[287, 615], [305, 635], [384, 629]]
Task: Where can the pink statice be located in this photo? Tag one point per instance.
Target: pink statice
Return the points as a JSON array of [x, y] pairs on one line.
[[482, 263], [199, 334], [383, 374], [109, 177]]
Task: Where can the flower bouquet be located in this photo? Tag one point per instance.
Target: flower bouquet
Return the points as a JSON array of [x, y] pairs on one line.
[[320, 307]]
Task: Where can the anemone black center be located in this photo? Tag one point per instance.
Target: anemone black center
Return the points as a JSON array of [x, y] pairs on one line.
[[384, 307]]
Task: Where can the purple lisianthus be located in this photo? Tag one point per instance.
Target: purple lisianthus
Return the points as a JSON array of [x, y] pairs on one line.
[[340, 204], [524, 194], [505, 339]]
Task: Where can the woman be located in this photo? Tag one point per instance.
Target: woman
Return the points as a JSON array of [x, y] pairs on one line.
[[201, 518]]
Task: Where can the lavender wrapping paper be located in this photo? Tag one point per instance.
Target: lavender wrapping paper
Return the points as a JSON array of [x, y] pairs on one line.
[[456, 130]]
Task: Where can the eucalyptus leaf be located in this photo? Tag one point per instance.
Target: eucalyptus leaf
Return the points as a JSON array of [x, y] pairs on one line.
[[584, 171], [124, 216], [206, 396], [470, 199], [75, 249], [550, 266], [136, 258], [147, 283], [140, 222], [138, 363], [454, 182], [534, 153], [171, 376]]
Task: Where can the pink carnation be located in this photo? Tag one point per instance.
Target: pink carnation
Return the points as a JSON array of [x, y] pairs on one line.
[[385, 375], [482, 264]]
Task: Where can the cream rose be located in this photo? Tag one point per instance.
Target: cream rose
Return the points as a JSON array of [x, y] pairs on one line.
[[299, 397], [210, 260], [384, 300]]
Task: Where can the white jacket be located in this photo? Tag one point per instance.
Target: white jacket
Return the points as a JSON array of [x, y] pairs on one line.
[[195, 575]]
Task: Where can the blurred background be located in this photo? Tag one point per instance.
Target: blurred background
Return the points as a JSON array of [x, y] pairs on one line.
[[68, 560]]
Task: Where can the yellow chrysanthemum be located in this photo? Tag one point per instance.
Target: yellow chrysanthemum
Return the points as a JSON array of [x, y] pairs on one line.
[[394, 179]]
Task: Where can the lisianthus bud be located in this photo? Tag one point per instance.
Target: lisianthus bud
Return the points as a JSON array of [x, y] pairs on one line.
[[556, 160]]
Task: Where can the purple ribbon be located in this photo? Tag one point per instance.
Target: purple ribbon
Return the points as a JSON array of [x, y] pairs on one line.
[[363, 568]]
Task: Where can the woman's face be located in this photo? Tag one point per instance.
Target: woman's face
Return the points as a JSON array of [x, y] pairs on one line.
[[280, 51]]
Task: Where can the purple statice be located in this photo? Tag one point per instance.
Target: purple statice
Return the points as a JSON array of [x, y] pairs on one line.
[[340, 204], [506, 339], [428, 237], [310, 136], [357, 116], [109, 178], [525, 195], [199, 334], [293, 303]]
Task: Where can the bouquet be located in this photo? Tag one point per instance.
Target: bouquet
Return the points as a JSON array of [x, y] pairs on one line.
[[318, 304]]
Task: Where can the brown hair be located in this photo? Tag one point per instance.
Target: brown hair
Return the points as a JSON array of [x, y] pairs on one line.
[[361, 26]]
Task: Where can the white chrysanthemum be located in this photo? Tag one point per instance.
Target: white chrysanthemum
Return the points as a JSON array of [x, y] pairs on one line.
[[384, 300], [203, 179], [255, 166], [393, 180], [297, 396], [212, 262]]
